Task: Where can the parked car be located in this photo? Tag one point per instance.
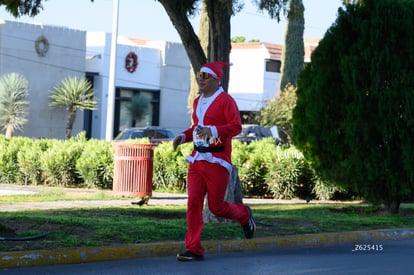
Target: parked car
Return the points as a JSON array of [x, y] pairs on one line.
[[252, 132], [154, 133]]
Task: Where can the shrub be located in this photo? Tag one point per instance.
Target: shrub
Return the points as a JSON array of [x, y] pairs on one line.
[[96, 164], [290, 175], [9, 168], [353, 118], [253, 171], [28, 158], [324, 191], [170, 167], [59, 163], [264, 168], [240, 153]]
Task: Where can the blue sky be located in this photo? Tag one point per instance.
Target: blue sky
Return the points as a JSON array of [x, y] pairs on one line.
[[147, 19]]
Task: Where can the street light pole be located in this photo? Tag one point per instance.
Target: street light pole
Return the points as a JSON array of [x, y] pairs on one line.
[[112, 74]]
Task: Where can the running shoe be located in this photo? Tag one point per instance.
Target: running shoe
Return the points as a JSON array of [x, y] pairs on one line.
[[250, 227]]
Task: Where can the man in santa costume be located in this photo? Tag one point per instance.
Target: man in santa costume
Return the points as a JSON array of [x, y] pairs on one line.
[[216, 119]]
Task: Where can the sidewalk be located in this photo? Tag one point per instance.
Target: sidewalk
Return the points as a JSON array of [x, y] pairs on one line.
[[93, 254]]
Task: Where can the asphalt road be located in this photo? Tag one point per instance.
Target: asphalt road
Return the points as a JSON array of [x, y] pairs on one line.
[[380, 257]]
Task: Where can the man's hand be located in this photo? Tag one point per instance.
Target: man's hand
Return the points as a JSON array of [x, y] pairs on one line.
[[176, 142], [205, 133]]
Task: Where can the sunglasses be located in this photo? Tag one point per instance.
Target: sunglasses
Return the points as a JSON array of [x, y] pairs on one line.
[[204, 75]]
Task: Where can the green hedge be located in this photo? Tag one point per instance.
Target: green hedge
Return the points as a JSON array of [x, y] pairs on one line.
[[265, 170], [77, 162]]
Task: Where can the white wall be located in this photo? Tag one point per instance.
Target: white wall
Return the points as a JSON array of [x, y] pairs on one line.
[[65, 57], [246, 77], [270, 85], [163, 66], [175, 88]]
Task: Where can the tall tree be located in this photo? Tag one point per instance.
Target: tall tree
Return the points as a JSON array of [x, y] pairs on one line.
[[75, 94], [275, 8], [219, 13], [23, 7], [293, 50], [354, 114], [203, 34], [13, 103]]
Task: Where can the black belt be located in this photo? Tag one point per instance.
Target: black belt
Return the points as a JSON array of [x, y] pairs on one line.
[[202, 149]]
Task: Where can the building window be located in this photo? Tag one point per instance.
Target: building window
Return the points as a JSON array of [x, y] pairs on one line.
[[273, 65], [136, 108]]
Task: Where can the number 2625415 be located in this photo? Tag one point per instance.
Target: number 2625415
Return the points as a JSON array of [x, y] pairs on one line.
[[368, 247]]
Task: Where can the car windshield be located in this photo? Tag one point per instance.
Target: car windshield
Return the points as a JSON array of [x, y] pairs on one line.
[[132, 134], [157, 134], [152, 133]]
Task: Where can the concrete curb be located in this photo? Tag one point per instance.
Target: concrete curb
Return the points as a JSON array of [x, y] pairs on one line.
[[95, 254]]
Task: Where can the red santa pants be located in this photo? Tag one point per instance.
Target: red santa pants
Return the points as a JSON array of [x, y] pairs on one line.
[[212, 178]]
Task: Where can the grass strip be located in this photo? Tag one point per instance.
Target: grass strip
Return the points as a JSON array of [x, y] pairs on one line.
[[102, 226]]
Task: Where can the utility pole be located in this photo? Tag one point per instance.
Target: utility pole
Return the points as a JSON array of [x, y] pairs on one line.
[[112, 75]]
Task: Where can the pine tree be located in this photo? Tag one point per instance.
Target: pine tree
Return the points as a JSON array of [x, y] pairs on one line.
[[354, 114]]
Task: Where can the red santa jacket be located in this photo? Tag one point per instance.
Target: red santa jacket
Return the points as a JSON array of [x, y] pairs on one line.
[[222, 115]]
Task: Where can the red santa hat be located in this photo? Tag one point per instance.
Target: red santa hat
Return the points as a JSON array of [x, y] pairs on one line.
[[214, 68]]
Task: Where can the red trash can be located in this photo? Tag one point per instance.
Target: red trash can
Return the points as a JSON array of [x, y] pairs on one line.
[[133, 169]]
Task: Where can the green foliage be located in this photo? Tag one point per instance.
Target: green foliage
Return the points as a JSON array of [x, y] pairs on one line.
[[283, 179], [59, 163], [28, 159], [294, 49], [13, 104], [79, 162], [290, 176], [238, 39], [351, 2], [324, 191], [279, 111], [170, 167], [96, 164], [23, 7], [239, 154], [96, 226], [274, 7], [253, 171], [9, 149], [75, 94], [354, 114]]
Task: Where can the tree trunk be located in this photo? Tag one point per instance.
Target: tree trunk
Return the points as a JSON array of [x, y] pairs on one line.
[[219, 13], [186, 32], [394, 206], [203, 35], [234, 194], [220, 35], [69, 124], [9, 131]]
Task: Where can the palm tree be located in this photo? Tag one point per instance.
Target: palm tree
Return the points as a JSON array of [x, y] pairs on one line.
[[75, 94], [13, 106]]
